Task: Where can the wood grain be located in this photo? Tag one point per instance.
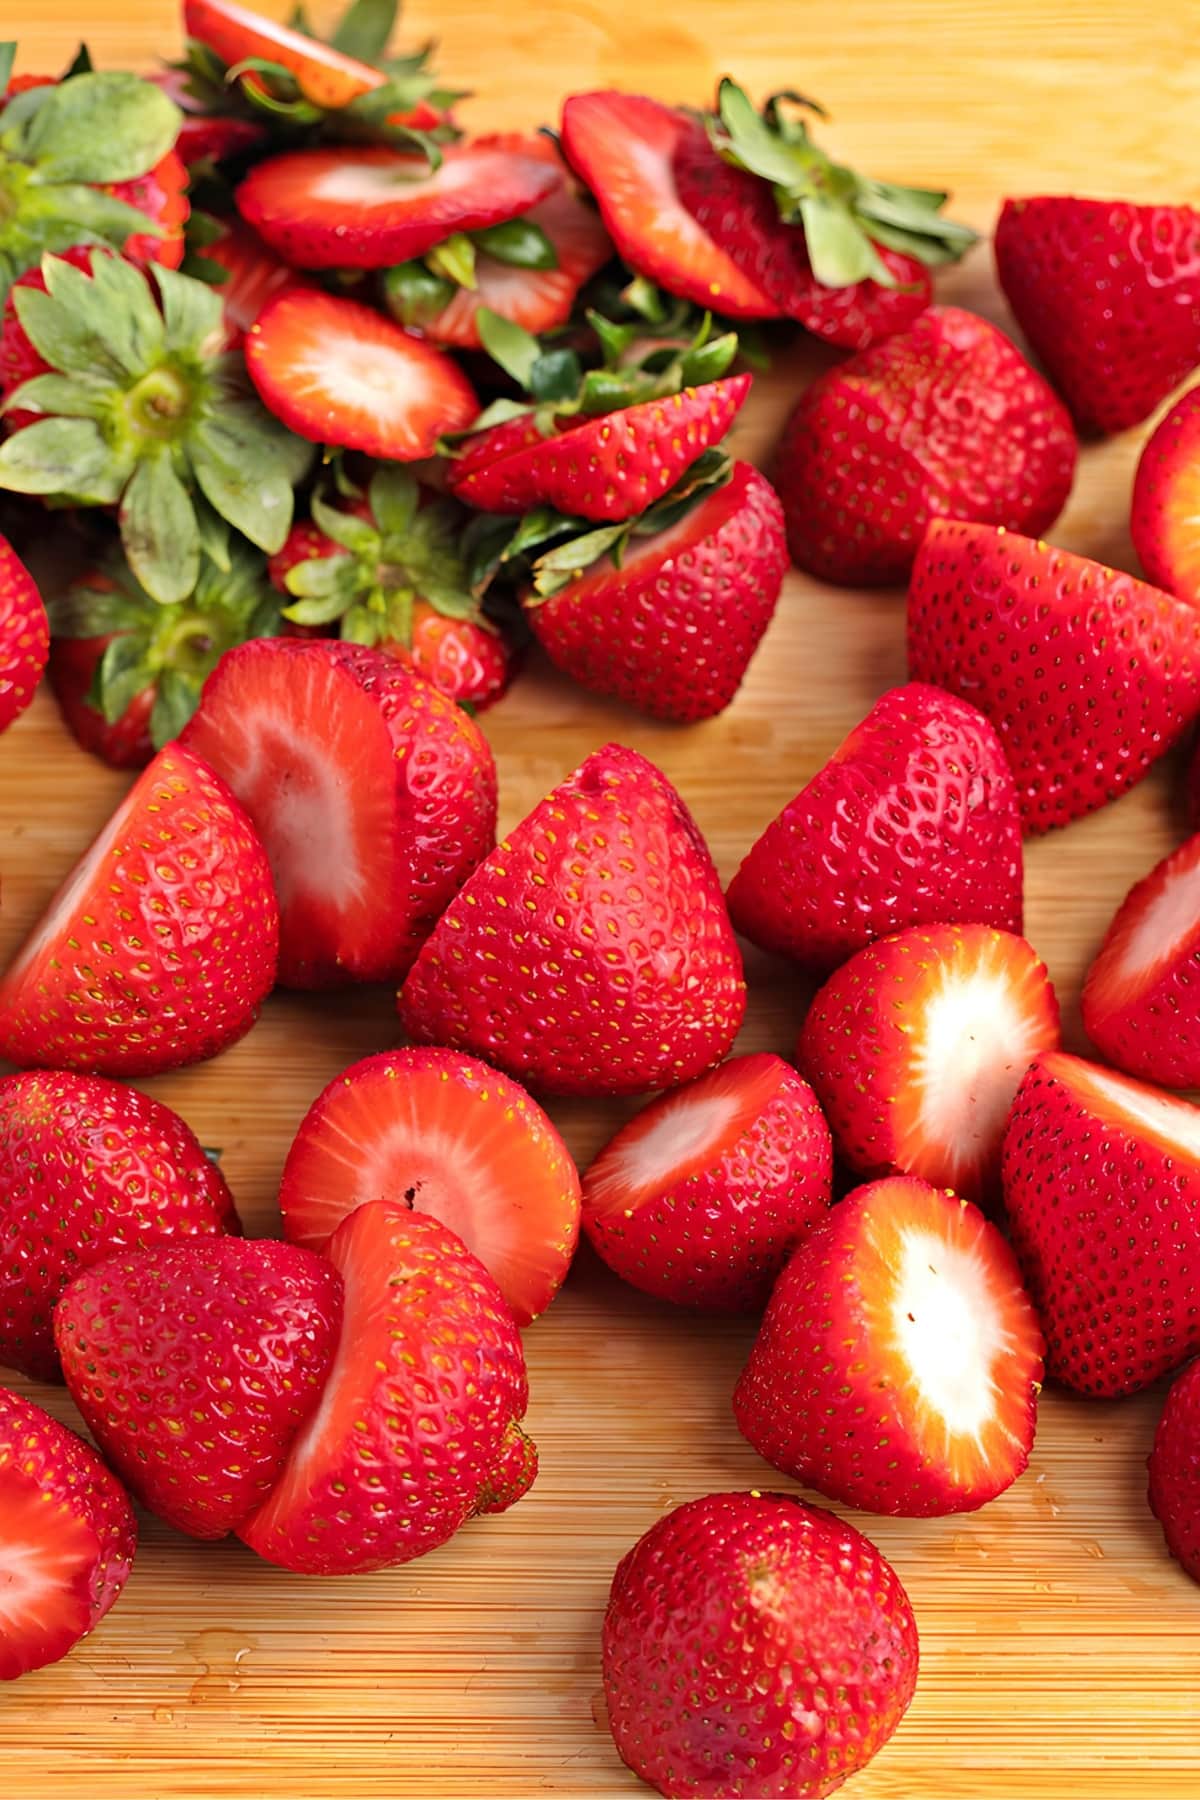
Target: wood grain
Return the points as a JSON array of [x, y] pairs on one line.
[[1059, 1643]]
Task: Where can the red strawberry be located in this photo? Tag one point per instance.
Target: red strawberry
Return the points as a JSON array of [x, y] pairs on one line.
[[340, 373], [324, 75], [67, 1538], [205, 136], [1102, 1192], [127, 743], [467, 661], [19, 361], [160, 945], [1165, 520], [24, 635], [1175, 1470], [703, 1195], [625, 148], [917, 1045], [754, 1645], [195, 1364], [899, 1361], [912, 821], [1087, 675], [620, 971], [88, 1168], [944, 420], [375, 797], [161, 193], [1107, 293], [673, 628], [449, 1136], [254, 276], [418, 1428]]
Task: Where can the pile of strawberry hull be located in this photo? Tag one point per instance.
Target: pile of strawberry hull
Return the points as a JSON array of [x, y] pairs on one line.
[[340, 405]]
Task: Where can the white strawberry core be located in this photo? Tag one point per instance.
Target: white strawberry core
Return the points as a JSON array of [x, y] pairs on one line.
[[948, 1326], [43, 1548], [369, 378], [381, 183], [1171, 915], [1175, 1122], [311, 842], [682, 1133]]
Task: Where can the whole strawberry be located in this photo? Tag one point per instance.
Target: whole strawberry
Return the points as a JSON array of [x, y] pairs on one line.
[[1166, 501], [24, 635], [1174, 1465], [723, 1627], [73, 671]]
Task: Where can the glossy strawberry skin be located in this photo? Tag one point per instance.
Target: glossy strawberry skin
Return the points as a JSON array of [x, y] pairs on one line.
[[124, 745], [1166, 501], [732, 1616], [943, 420], [161, 193], [1174, 1464], [467, 662], [912, 821], [24, 635], [672, 631], [1087, 674]]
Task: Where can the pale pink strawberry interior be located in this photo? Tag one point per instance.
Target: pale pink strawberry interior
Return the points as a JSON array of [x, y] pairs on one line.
[[47, 1555], [1154, 939], [384, 183], [1174, 1124]]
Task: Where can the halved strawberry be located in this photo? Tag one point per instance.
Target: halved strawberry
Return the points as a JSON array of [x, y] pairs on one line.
[[340, 373], [1174, 1465], [24, 635], [1165, 519], [450, 1136], [370, 207], [917, 1045], [624, 147], [324, 75], [899, 1361]]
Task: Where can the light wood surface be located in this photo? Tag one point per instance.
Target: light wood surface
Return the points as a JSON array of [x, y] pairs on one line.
[[1059, 1643]]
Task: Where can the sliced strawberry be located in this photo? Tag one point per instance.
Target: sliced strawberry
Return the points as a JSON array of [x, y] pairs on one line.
[[24, 635], [340, 373], [255, 275], [899, 1361], [917, 1045], [449, 1136], [324, 75], [1165, 520], [1174, 1465], [624, 147]]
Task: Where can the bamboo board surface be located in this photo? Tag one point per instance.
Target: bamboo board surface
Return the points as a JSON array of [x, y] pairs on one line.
[[1059, 1643]]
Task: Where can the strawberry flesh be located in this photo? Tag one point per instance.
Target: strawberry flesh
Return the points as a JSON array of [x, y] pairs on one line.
[[235, 33]]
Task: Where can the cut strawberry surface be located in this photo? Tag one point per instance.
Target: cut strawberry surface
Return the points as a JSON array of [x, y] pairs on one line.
[[1165, 519], [340, 373], [447, 1135], [324, 75]]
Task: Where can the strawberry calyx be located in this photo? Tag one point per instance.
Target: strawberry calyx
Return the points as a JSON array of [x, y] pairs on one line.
[[417, 291]]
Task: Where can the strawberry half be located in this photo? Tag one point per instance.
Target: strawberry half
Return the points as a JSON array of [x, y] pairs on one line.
[[1175, 1471], [340, 373], [418, 1426], [1088, 675], [917, 1045], [619, 971], [912, 821], [324, 75], [449, 1136], [703, 1195], [24, 635], [160, 945], [374, 795], [67, 1538], [1165, 519], [899, 1361], [194, 1365], [1102, 1192]]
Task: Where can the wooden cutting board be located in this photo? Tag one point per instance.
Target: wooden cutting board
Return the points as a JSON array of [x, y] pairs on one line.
[[1059, 1643]]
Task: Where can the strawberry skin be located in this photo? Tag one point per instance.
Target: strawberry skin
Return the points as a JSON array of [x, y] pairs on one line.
[[161, 193], [417, 1430], [1166, 501], [621, 972], [465, 661], [19, 361], [943, 420], [67, 1538], [88, 1168], [1108, 294], [254, 274], [127, 744], [899, 1361], [161, 944], [24, 635], [672, 631], [735, 1617], [1102, 1192], [912, 821], [195, 1364], [1088, 675], [1174, 1465], [702, 1196]]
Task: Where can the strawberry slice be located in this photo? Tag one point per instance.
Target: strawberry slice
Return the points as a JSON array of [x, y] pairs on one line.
[[624, 147], [370, 207], [916, 1047], [338, 372], [1165, 521], [254, 276], [324, 75], [452, 1137]]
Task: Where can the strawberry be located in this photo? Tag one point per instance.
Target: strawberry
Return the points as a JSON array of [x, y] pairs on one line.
[[1102, 1192], [453, 1138], [702, 1196], [671, 626], [72, 670], [468, 660], [1166, 501], [753, 1645], [620, 971], [1087, 675], [1175, 1470], [324, 74], [253, 273], [418, 1427], [899, 1361], [1106, 292], [195, 1364], [161, 193], [89, 1168], [24, 635], [67, 1538], [625, 148], [945, 419], [917, 1045], [375, 797], [338, 372], [205, 137], [19, 361], [912, 821], [159, 946]]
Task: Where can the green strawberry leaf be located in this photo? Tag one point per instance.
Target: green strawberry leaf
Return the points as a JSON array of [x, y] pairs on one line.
[[519, 243], [123, 674], [67, 396], [64, 330], [215, 539], [177, 699], [708, 361], [362, 625], [117, 300], [557, 568], [159, 533], [192, 311], [556, 375], [454, 260], [365, 28], [838, 249], [84, 612], [8, 55], [318, 609], [80, 64], [414, 295], [62, 456], [232, 455], [515, 349], [102, 126], [393, 495], [357, 535], [323, 578]]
